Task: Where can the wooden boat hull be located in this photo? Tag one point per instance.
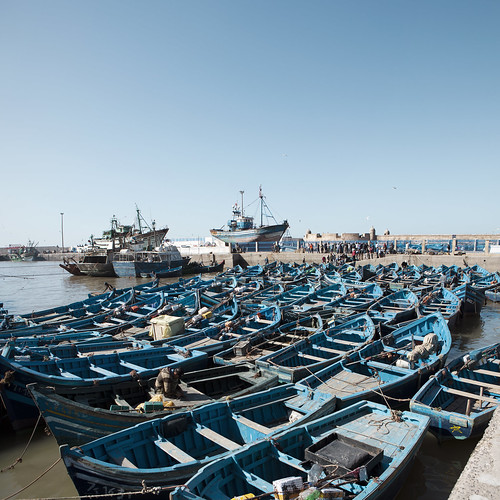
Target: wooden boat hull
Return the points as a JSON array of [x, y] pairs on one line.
[[382, 369], [461, 399], [387, 458], [265, 233], [169, 450], [97, 269], [130, 269], [74, 422], [472, 298], [296, 361], [83, 372]]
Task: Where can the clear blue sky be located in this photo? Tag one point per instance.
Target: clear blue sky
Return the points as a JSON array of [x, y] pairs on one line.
[[349, 113]]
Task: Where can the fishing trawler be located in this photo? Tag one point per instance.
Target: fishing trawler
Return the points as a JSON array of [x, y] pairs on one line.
[[242, 228], [98, 259]]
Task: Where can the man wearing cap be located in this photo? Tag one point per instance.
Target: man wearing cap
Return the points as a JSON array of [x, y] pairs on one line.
[[168, 382]]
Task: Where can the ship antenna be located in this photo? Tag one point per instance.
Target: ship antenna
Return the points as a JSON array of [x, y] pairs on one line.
[[242, 202]]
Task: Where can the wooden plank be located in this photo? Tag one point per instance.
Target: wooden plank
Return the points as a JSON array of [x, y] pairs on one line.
[[494, 387], [120, 459], [312, 358], [487, 372], [277, 342], [342, 341], [217, 438], [174, 451], [120, 401], [252, 424], [103, 371], [470, 395], [329, 349]]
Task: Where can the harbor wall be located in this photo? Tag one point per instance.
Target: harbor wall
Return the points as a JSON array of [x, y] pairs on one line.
[[480, 478], [491, 262]]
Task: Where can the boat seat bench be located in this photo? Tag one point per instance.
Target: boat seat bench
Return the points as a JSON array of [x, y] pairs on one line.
[[267, 403], [217, 438], [174, 451], [347, 342], [469, 395], [329, 349], [310, 357], [490, 373], [492, 387], [121, 459], [103, 371], [250, 423], [384, 366], [131, 366], [121, 402]]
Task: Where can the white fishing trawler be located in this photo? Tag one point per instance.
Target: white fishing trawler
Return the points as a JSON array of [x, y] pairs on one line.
[[242, 228]]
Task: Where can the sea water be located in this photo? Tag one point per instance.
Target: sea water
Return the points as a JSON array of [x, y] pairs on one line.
[[30, 286]]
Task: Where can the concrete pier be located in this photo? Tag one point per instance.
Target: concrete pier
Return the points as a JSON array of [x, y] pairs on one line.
[[490, 262], [480, 479]]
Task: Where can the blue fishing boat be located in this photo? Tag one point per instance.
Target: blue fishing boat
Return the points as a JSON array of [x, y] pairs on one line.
[[492, 295], [23, 320], [217, 338], [472, 298], [261, 344], [343, 455], [78, 349], [123, 315], [291, 296], [314, 302], [200, 268], [53, 339], [77, 415], [307, 356], [461, 398], [167, 272], [169, 450], [393, 367], [71, 312], [356, 300], [266, 293], [242, 228], [396, 307], [444, 301], [19, 369]]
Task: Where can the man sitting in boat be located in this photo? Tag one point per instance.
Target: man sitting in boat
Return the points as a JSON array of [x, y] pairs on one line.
[[168, 382]]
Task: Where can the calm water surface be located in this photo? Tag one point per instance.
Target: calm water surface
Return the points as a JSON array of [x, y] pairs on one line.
[[25, 287]]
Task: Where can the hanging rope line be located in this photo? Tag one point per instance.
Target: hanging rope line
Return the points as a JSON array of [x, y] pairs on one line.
[[20, 459]]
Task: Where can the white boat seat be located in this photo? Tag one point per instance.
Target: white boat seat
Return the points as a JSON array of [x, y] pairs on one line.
[[174, 451], [217, 438]]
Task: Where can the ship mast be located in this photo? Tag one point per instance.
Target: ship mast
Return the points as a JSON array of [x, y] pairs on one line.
[[242, 202], [261, 196], [138, 218]]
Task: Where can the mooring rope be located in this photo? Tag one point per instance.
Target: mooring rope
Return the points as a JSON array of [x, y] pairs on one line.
[[34, 480], [20, 459], [155, 490]]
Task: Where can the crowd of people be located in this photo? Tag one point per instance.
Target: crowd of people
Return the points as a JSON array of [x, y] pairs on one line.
[[356, 250]]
